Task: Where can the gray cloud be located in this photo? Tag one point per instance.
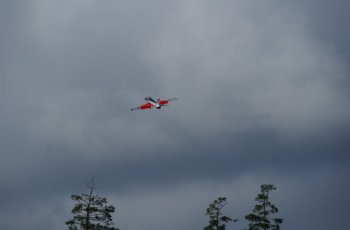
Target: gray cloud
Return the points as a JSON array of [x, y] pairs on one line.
[[263, 99]]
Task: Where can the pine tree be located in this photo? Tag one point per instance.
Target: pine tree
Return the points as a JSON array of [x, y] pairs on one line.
[[217, 221], [260, 217], [91, 212]]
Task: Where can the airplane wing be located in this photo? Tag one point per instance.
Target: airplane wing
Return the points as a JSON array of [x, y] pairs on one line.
[[172, 99], [164, 102], [142, 107]]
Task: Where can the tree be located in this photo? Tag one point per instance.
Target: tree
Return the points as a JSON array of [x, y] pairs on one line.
[[260, 217], [217, 221], [91, 212]]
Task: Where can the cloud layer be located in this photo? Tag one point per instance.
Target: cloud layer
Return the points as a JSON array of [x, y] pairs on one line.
[[263, 99]]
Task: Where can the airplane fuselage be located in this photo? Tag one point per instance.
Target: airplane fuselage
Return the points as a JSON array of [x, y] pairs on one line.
[[152, 102]]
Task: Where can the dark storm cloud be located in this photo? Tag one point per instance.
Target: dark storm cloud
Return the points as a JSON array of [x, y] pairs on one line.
[[327, 21], [262, 99]]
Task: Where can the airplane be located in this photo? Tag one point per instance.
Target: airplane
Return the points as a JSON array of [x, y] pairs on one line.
[[152, 103]]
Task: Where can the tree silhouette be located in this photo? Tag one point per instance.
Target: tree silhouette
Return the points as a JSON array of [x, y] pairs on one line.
[[260, 217], [91, 212], [217, 221]]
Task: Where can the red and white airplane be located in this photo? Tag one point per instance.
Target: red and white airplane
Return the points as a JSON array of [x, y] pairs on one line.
[[152, 103]]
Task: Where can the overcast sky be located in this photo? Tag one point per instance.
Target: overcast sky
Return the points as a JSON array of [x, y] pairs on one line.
[[263, 88]]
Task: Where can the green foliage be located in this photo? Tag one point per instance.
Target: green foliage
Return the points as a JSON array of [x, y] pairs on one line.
[[217, 221], [91, 212], [260, 217]]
